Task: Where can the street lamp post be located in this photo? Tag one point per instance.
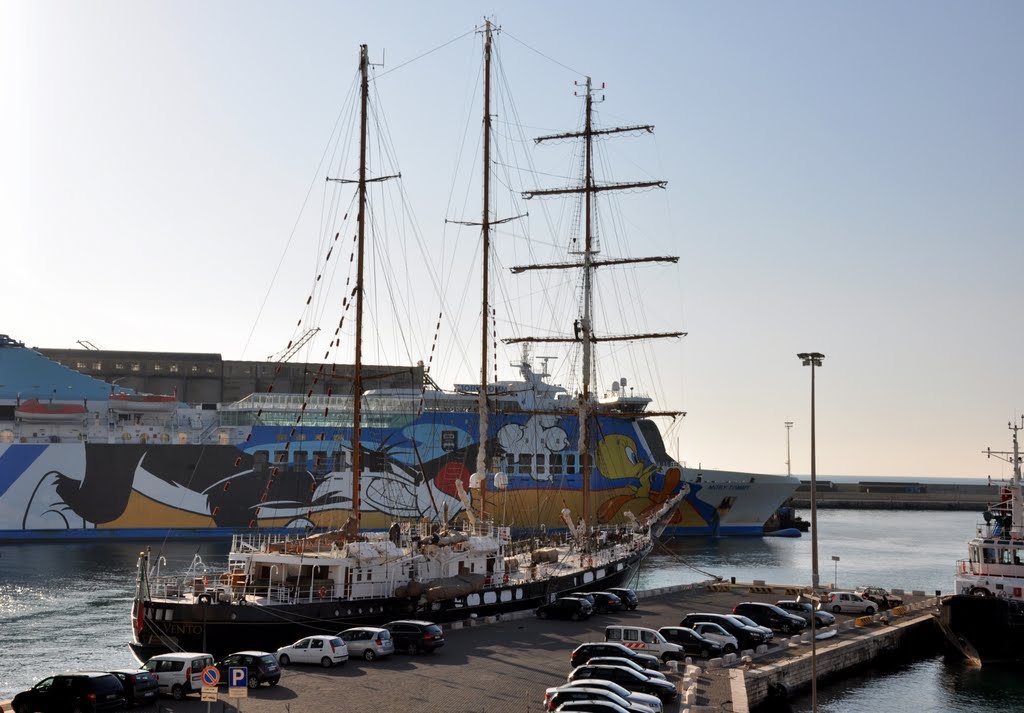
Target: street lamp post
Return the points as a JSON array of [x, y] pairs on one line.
[[813, 359], [789, 462], [835, 577]]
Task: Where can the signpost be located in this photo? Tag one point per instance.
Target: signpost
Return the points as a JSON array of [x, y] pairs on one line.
[[238, 682], [210, 677]]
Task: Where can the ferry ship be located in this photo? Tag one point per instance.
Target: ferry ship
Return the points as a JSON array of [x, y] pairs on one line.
[[80, 459]]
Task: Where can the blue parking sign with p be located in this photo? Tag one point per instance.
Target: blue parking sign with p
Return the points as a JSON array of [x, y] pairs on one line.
[[238, 677]]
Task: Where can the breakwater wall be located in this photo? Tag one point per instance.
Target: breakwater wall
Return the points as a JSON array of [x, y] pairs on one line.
[[889, 495]]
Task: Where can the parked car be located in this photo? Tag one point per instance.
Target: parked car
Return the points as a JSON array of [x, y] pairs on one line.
[[628, 679], [805, 610], [653, 702], [262, 667], [628, 596], [178, 674], [585, 693], [87, 691], [591, 707], [414, 635], [320, 649], [648, 641], [370, 642], [693, 643], [847, 603], [748, 637], [587, 596], [746, 620], [623, 661], [565, 608], [771, 616], [584, 652], [710, 630], [607, 602], [882, 597], [140, 688]]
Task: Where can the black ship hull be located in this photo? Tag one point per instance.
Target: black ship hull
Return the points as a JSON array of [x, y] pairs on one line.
[[987, 630], [223, 628]]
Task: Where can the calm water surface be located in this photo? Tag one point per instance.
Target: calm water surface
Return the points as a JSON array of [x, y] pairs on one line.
[[65, 606]]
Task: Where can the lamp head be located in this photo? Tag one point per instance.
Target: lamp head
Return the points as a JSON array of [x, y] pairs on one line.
[[811, 358]]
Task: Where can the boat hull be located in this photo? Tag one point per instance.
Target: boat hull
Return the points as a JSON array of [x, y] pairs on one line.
[[140, 490], [986, 630], [222, 628]]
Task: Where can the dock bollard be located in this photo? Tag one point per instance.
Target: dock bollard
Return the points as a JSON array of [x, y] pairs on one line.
[[673, 666]]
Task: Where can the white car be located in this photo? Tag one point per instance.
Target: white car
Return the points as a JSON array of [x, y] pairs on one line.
[[370, 642], [180, 673], [319, 649], [710, 630], [848, 603], [636, 698]]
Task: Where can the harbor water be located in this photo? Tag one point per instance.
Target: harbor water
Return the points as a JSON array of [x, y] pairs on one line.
[[67, 606]]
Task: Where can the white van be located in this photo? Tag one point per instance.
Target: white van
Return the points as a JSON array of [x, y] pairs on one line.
[[645, 640], [179, 674]]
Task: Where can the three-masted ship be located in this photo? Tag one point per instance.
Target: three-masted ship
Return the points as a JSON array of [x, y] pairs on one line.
[[277, 588]]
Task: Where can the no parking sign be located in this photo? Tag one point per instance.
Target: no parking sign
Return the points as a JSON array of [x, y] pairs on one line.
[[211, 676]]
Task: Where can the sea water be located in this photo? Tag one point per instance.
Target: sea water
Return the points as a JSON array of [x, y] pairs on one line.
[[67, 606]]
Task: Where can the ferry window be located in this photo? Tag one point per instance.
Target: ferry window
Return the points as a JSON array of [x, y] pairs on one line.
[[1007, 554], [119, 366], [259, 460], [157, 367], [339, 460], [209, 370], [195, 368], [1018, 556], [301, 457], [173, 368], [570, 463], [319, 462], [80, 365], [280, 456], [541, 470], [136, 366], [509, 464], [974, 554], [988, 555], [97, 365], [555, 460], [526, 463]]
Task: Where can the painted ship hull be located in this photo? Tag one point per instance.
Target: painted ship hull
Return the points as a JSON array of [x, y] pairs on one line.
[[196, 472]]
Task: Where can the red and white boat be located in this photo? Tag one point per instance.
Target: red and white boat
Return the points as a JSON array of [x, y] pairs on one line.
[[49, 412]]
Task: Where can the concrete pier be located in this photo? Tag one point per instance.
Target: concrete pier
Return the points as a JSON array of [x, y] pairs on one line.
[[496, 665]]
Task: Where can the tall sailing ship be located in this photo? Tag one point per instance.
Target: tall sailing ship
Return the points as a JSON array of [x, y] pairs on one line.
[[984, 618]]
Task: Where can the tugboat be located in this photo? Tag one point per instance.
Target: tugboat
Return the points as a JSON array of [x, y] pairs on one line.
[[984, 619]]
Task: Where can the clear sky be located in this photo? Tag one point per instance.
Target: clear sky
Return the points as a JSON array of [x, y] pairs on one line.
[[844, 177]]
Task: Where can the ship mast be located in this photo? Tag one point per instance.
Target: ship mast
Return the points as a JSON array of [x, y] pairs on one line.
[[485, 229], [1016, 499], [359, 289], [357, 377], [584, 327]]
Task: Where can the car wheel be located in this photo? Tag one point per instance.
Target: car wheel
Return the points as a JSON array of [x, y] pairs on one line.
[[254, 682], [284, 660], [869, 610], [22, 709], [177, 692], [837, 609], [369, 655], [705, 653], [326, 662], [729, 649], [412, 649]]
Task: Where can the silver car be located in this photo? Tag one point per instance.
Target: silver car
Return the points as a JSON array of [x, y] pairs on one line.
[[370, 642]]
